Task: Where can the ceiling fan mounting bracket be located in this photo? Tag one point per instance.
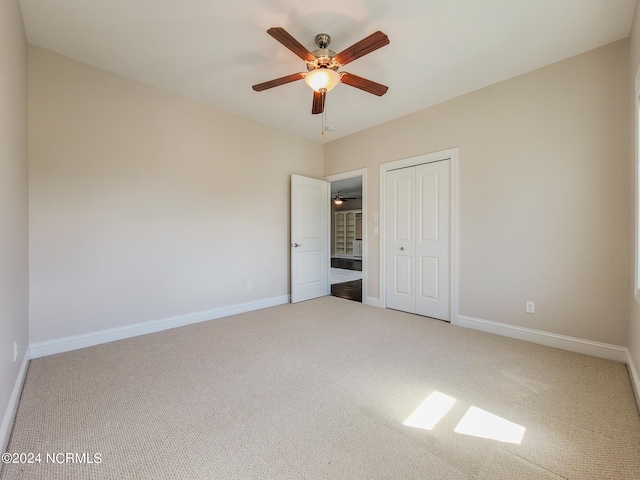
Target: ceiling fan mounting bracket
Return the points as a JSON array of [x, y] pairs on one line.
[[323, 40]]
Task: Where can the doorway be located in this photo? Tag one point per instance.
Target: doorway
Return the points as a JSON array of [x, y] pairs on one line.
[[347, 237]]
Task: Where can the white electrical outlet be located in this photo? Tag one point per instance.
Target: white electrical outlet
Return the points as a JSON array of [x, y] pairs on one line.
[[249, 286], [529, 306], [15, 351]]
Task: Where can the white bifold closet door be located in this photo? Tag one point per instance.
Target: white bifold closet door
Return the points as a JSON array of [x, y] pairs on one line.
[[418, 231]]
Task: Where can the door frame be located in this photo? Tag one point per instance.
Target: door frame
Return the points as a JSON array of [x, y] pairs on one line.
[[452, 155], [343, 176]]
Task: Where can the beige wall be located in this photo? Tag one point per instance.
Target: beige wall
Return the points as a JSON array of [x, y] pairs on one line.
[[14, 217], [146, 205], [634, 326], [544, 194]]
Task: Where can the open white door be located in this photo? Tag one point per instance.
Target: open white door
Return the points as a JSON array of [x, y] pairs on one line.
[[309, 238]]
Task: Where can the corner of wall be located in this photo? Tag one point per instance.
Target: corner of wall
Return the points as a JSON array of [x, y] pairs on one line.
[[14, 212], [635, 379], [12, 408]]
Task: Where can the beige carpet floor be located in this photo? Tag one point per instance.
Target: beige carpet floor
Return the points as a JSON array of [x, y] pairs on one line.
[[320, 390]]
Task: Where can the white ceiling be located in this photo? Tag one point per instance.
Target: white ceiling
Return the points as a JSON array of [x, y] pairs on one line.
[[214, 50]]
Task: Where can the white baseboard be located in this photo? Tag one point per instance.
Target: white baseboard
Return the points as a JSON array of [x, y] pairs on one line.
[[635, 380], [60, 345], [371, 301], [572, 344], [12, 408]]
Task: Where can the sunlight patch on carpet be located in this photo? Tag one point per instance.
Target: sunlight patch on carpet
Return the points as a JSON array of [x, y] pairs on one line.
[[480, 423], [475, 422], [430, 411]]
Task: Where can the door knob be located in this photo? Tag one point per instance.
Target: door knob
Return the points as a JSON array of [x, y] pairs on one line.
[[297, 245], [401, 248]]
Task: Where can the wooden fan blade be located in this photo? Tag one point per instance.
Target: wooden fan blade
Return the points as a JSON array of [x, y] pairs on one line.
[[318, 102], [366, 45], [278, 81], [364, 84], [281, 35]]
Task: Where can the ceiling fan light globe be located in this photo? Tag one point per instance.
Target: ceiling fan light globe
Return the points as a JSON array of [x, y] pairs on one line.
[[322, 79]]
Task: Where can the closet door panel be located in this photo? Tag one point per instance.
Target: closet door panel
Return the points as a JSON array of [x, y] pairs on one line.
[[433, 242], [400, 254]]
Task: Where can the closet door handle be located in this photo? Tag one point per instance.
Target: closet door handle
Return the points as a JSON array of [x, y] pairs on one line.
[[297, 245], [401, 248]]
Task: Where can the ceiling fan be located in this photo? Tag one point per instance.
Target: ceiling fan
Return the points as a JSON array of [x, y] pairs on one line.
[[322, 65], [338, 199]]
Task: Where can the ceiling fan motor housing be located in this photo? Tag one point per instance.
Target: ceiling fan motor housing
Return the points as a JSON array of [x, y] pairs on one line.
[[324, 56], [324, 59]]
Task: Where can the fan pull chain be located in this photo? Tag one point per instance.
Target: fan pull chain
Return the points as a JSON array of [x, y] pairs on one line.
[[324, 114], [324, 123]]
